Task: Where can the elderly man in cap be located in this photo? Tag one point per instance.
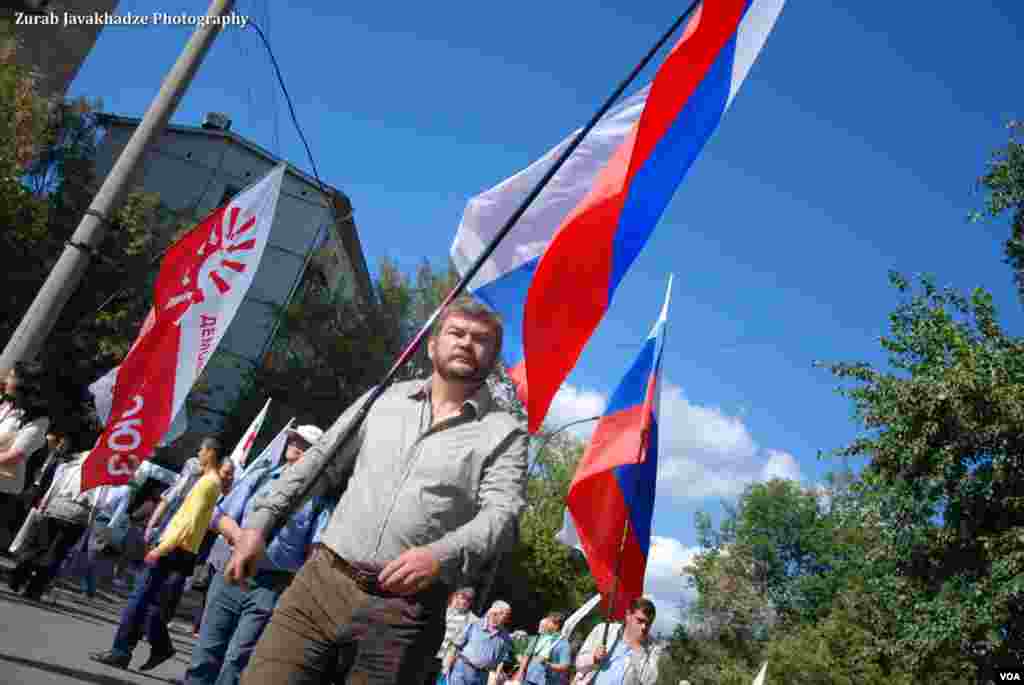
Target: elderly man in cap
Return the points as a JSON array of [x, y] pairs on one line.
[[235, 617], [481, 648]]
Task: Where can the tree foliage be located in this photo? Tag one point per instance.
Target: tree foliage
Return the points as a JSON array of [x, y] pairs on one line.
[[945, 480], [47, 180], [1004, 182], [914, 570]]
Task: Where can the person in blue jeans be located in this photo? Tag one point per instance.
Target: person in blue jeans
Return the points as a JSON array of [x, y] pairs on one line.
[[235, 616], [170, 563]]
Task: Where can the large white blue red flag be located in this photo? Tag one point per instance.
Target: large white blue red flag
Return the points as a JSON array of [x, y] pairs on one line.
[[611, 498], [554, 277]]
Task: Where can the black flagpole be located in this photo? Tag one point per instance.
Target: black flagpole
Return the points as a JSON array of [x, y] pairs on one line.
[[460, 287]]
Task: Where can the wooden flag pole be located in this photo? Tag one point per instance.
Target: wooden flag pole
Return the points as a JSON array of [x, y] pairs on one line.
[[353, 428]]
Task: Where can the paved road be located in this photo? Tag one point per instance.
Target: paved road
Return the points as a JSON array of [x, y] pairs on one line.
[[49, 642]]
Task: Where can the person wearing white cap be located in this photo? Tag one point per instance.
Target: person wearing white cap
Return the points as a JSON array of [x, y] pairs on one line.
[[235, 616], [482, 648]]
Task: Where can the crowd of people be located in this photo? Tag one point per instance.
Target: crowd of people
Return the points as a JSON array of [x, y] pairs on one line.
[[336, 565], [480, 651]]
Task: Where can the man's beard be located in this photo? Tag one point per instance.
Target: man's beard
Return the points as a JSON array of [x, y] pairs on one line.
[[478, 375]]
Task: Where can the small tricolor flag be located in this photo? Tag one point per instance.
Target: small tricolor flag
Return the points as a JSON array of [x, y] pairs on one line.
[[611, 498]]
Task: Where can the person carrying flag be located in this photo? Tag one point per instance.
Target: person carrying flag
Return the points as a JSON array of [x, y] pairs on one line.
[[430, 488], [621, 653]]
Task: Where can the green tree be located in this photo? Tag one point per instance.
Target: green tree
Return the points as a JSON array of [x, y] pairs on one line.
[[543, 575], [47, 178], [945, 486], [1004, 182]]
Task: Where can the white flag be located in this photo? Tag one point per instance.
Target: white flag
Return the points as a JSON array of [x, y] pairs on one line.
[[241, 453], [578, 615], [272, 453], [568, 535]]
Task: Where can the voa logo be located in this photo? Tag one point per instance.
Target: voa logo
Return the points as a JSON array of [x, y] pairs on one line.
[[1010, 677]]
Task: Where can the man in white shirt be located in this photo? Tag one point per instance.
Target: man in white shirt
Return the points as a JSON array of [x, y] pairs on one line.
[[629, 657]]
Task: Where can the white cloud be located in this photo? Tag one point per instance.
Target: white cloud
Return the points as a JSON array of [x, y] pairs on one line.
[[780, 465], [571, 404], [705, 452], [664, 582]]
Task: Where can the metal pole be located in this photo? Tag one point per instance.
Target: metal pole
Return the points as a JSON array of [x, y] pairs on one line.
[[549, 436], [66, 275]]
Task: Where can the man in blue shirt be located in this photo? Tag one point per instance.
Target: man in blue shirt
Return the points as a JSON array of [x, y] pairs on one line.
[[235, 616], [482, 647], [548, 655]]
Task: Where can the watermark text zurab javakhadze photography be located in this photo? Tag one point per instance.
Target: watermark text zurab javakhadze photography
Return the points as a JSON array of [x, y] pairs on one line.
[[127, 19]]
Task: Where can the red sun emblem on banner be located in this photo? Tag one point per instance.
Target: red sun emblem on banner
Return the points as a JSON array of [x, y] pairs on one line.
[[214, 261]]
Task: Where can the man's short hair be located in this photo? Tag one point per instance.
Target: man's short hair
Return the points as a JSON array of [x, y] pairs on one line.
[[470, 308], [212, 443], [645, 605], [557, 616]]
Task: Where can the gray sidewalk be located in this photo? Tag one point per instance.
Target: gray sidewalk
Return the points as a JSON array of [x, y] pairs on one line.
[[50, 641]]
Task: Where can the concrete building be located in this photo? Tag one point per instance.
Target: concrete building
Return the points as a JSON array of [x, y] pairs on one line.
[[196, 169], [54, 52]]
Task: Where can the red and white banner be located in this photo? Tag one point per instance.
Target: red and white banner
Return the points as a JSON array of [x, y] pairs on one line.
[[241, 453], [102, 391], [203, 278], [271, 455]]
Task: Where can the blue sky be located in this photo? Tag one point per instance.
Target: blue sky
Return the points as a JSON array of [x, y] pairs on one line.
[[853, 148]]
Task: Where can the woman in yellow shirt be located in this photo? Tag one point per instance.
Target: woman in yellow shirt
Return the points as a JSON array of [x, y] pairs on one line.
[[170, 563]]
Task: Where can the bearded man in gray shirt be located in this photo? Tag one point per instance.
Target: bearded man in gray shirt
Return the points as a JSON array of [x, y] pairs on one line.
[[430, 487]]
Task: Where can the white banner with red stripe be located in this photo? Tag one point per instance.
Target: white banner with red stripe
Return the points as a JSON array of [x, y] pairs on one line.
[[203, 278]]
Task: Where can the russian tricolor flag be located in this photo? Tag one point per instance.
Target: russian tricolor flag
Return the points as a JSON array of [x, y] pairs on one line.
[[611, 499], [553, 279]]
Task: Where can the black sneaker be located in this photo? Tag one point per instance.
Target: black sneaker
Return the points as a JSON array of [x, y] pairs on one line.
[[111, 659], [157, 658]]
